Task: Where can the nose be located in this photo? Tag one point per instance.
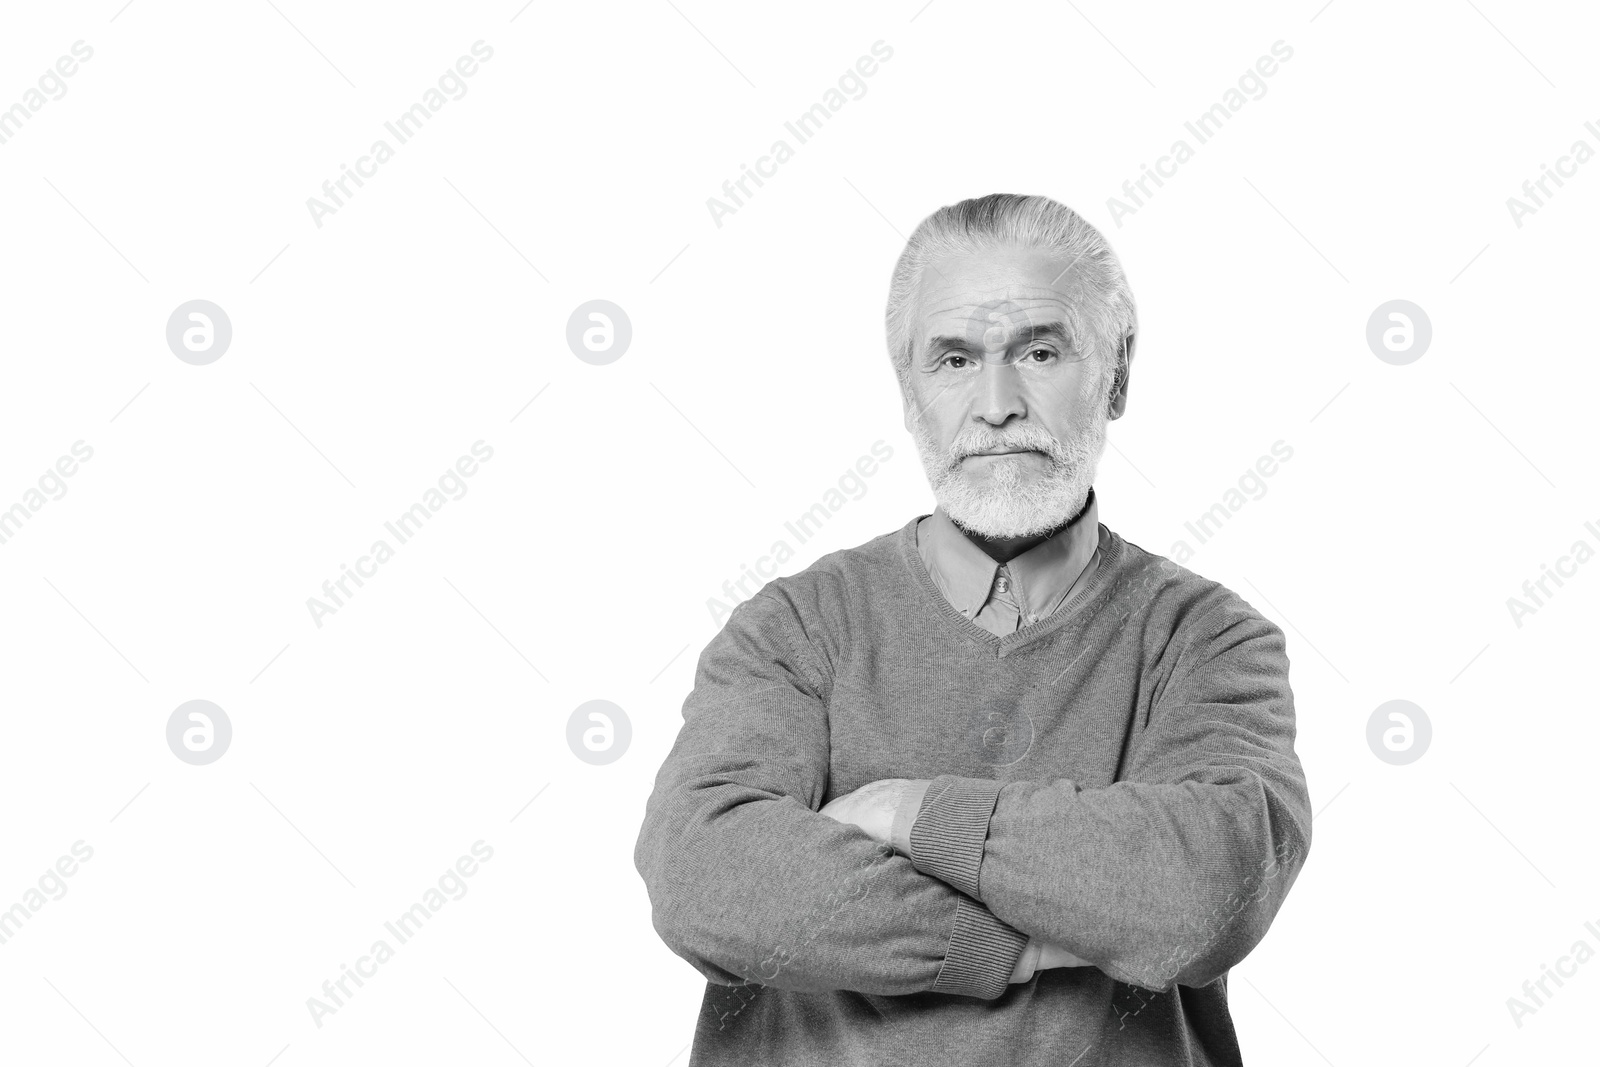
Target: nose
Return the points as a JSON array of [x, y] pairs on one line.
[[1000, 392]]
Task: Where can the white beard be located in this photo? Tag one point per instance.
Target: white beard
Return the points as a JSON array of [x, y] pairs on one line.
[[1016, 502]]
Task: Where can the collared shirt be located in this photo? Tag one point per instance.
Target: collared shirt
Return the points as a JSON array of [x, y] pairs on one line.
[[1005, 597]]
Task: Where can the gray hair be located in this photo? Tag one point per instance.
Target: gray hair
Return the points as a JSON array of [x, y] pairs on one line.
[[1107, 315]]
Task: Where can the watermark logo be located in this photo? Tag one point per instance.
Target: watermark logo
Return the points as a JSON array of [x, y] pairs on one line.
[[599, 332], [13, 118], [1398, 332], [403, 528], [803, 128], [1252, 85], [199, 732], [1252, 482], [1566, 167], [402, 128], [51, 886], [1002, 732], [199, 332], [598, 732], [804, 527], [1566, 967], [1399, 732], [1566, 567], [410, 923], [52, 481], [991, 325]]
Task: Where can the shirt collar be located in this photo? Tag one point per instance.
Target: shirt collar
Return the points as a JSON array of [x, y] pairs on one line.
[[1041, 576]]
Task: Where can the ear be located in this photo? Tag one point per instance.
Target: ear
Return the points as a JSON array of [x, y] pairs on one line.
[[1119, 389]]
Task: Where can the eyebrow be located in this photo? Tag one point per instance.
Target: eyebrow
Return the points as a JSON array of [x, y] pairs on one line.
[[1041, 331]]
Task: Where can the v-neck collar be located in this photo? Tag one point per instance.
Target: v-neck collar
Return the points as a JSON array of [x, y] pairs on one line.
[[1110, 550]]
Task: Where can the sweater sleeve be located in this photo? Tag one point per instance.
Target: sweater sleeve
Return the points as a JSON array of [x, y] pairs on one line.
[[748, 882], [1172, 874]]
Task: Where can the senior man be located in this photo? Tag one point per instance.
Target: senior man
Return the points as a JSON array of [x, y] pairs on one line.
[[998, 787]]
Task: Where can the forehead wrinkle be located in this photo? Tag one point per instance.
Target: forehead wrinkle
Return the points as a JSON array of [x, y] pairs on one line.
[[1024, 304], [1016, 332], [1066, 297], [1024, 297], [1032, 316]]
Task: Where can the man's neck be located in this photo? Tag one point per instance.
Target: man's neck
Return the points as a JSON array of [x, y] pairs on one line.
[[1006, 549]]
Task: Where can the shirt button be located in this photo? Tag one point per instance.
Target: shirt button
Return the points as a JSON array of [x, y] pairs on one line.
[[1002, 583]]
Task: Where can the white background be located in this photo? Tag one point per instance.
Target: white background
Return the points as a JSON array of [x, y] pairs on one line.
[[368, 354]]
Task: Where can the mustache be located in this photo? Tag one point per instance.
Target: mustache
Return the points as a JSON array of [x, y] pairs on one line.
[[1034, 440]]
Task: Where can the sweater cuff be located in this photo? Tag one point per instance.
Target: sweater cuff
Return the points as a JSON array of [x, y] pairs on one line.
[[982, 955], [948, 835], [905, 814]]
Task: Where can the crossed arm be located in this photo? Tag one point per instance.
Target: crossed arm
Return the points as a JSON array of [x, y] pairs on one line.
[[1169, 876], [886, 810]]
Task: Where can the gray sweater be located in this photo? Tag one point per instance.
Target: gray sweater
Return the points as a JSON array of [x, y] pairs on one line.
[[1118, 779]]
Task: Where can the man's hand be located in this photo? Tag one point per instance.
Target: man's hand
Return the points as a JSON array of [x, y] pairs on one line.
[[873, 806]]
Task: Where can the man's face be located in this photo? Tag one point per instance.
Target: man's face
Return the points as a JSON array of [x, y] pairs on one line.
[[1008, 405]]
